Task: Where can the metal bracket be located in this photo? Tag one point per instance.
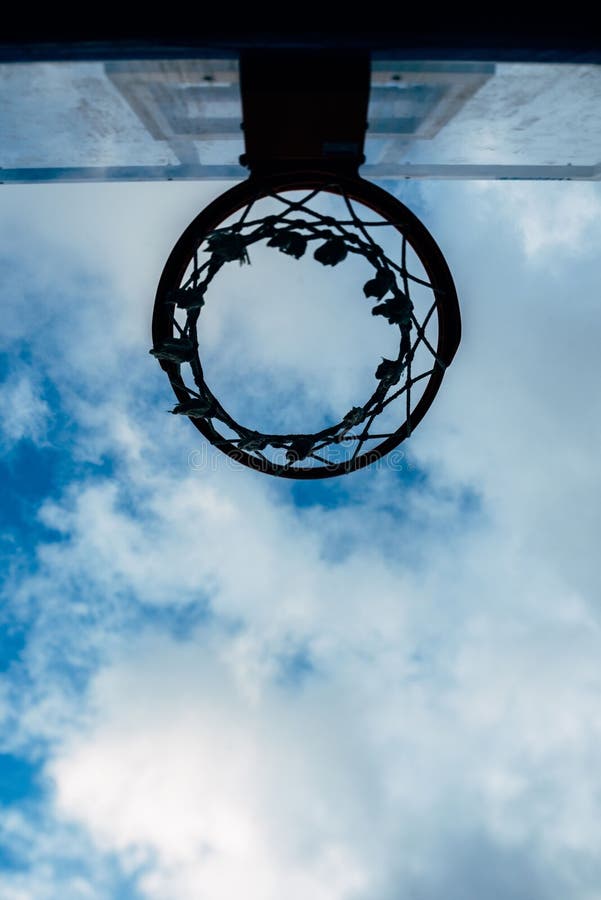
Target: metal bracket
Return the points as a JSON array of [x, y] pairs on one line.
[[304, 109]]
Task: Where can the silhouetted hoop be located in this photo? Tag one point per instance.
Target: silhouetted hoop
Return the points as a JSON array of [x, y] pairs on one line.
[[185, 281]]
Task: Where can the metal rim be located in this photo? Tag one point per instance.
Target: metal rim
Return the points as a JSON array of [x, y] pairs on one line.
[[380, 202]]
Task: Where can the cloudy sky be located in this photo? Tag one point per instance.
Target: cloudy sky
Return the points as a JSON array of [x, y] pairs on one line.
[[220, 685]]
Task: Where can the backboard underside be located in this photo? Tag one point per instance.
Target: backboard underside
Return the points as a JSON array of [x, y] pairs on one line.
[[176, 119]]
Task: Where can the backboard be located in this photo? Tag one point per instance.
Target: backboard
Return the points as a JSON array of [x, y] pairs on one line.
[[176, 118]]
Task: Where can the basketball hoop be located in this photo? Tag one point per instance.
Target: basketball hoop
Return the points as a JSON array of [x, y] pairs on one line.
[[284, 206]]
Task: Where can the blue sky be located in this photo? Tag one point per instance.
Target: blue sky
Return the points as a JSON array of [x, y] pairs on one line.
[[216, 684]]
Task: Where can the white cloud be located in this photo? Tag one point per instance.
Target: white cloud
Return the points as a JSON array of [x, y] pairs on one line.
[[554, 220], [346, 785], [443, 701], [24, 414], [226, 800], [519, 412]]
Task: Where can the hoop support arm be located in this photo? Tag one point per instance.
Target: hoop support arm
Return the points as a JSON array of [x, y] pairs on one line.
[[304, 109]]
